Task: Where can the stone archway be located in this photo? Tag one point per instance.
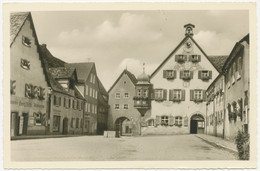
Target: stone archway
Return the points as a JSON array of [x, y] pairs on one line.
[[197, 124], [119, 125]]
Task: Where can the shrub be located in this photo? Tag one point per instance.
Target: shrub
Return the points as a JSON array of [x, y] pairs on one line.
[[243, 143]]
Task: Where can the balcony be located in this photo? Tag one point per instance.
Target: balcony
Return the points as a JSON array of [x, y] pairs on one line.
[[141, 102]]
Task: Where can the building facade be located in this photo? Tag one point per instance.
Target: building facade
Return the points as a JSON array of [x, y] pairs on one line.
[[65, 103], [237, 92], [179, 89], [88, 86], [28, 84], [123, 117]]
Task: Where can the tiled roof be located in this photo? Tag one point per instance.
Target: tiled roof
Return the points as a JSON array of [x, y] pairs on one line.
[[218, 61], [129, 74], [102, 89], [83, 69], [16, 22], [50, 59], [62, 72]]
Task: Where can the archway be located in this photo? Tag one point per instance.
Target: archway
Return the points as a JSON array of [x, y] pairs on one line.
[[197, 124], [119, 126], [65, 126]]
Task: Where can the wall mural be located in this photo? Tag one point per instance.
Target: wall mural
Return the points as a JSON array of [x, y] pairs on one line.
[[33, 92]]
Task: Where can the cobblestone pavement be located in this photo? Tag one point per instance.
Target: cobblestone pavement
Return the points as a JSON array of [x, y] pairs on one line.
[[93, 148]]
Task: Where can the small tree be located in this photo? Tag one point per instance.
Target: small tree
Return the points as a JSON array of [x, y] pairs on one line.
[[243, 145]]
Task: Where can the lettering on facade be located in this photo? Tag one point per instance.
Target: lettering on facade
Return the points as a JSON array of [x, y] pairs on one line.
[[25, 104]]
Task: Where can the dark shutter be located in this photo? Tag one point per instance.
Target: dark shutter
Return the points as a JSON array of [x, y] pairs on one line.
[[158, 120], [59, 101], [177, 58], [210, 74], [183, 95], [164, 94], [152, 94], [170, 94], [199, 58], [181, 74], [199, 75], [204, 95], [54, 100], [191, 74], [164, 74], [191, 95], [175, 74]]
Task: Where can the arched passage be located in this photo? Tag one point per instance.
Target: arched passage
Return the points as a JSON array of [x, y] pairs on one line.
[[197, 124], [119, 126]]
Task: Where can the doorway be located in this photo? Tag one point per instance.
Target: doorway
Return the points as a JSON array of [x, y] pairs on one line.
[[25, 123], [65, 126], [197, 124], [14, 124], [119, 126]]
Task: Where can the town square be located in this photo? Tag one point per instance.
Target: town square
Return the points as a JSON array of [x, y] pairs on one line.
[[158, 85]]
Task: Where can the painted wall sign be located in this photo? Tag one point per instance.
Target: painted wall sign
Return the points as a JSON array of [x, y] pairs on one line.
[[34, 92], [25, 64]]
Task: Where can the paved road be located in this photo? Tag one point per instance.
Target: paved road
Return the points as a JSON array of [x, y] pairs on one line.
[[93, 148]]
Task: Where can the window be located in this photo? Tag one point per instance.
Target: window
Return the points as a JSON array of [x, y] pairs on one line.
[[91, 77], [89, 107], [86, 93], [177, 94], [180, 58], [158, 94], [186, 74], [96, 109], [96, 94], [86, 107], [37, 118], [77, 123], [194, 58], [126, 106], [72, 123], [145, 93], [201, 124], [139, 92], [56, 123], [116, 106], [93, 108], [117, 96], [178, 120], [94, 78], [59, 101], [169, 74], [164, 120], [205, 74], [126, 95], [198, 94], [90, 91], [26, 41]]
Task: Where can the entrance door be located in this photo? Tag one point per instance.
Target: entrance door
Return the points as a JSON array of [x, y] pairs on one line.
[[193, 126], [14, 124], [65, 126], [25, 123]]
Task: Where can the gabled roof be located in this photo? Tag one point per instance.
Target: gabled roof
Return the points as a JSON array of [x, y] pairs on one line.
[[246, 38], [129, 74], [102, 89], [17, 20], [179, 45], [83, 69]]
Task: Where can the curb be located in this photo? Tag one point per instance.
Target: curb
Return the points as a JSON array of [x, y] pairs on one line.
[[218, 145]]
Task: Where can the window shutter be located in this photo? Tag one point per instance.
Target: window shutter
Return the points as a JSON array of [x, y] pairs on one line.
[[190, 57], [170, 94], [181, 74], [153, 94], [158, 120], [204, 95], [199, 58], [176, 58], [199, 75], [164, 94], [191, 95], [210, 74], [175, 73], [171, 120], [183, 95], [164, 74], [191, 74], [59, 101]]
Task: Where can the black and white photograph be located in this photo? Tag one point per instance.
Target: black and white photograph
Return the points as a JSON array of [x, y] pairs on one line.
[[130, 85]]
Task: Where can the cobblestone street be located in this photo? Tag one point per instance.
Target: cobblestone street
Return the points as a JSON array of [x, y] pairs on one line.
[[94, 148]]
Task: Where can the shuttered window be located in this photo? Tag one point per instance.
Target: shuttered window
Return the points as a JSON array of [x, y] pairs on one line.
[[198, 95], [169, 74], [180, 58], [186, 74], [176, 95], [195, 58], [159, 94], [205, 74]]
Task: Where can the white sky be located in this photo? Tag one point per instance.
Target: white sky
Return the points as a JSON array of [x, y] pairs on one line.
[[116, 39]]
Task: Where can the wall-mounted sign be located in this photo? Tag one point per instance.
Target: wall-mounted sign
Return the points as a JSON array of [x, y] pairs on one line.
[[25, 64]]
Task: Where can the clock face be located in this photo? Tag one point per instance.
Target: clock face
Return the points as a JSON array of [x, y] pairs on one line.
[[188, 46]]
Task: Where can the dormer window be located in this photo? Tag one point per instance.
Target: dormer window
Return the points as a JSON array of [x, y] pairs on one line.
[[205, 75], [169, 74], [194, 58], [180, 58], [26, 41], [186, 75]]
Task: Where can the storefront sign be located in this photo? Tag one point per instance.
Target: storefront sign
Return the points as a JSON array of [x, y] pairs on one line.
[[27, 104]]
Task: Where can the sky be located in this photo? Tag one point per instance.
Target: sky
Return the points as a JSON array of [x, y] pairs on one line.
[[116, 40]]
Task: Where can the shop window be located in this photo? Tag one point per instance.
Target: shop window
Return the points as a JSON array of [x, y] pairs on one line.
[[117, 106], [26, 41], [56, 123], [164, 120]]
